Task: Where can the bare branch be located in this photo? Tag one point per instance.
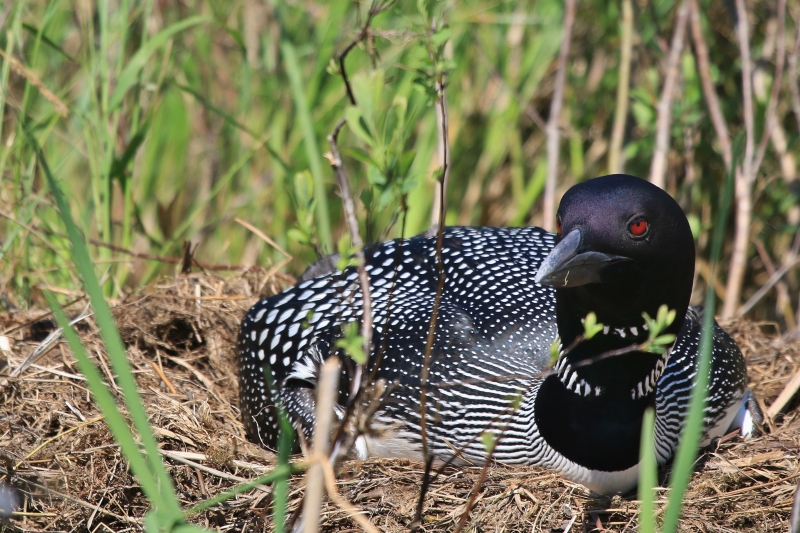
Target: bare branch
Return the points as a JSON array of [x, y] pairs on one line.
[[621, 112], [552, 121], [355, 237], [443, 126], [440, 208], [326, 398], [658, 167], [375, 9], [712, 100], [744, 174], [780, 57], [793, 83]]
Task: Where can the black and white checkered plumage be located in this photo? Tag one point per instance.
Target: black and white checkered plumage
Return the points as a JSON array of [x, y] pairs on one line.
[[495, 326]]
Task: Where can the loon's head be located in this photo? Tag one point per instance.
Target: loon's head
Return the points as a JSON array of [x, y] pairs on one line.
[[624, 248]]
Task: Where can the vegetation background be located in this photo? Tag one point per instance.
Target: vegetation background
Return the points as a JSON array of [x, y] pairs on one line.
[[167, 121]]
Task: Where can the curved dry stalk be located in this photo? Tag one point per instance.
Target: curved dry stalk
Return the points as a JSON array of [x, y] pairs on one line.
[[658, 167], [549, 207], [746, 173], [615, 163], [780, 58], [712, 100], [330, 486]]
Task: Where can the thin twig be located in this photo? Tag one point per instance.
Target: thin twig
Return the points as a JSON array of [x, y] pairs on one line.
[[441, 104], [327, 386], [760, 293], [621, 112], [549, 201], [443, 126], [780, 57], [349, 207], [712, 100], [658, 167], [263, 236], [416, 523], [375, 9], [793, 72], [344, 505], [744, 174], [789, 391]]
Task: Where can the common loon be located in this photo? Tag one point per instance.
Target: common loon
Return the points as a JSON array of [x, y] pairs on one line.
[[623, 248]]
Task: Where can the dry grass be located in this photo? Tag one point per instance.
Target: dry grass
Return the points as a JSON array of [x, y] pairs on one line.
[[180, 337]]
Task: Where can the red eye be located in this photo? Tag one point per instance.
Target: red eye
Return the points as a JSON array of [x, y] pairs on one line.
[[638, 227], [558, 225]]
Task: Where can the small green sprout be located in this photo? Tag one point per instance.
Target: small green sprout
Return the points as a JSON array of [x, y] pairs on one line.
[[346, 253], [555, 350], [352, 343], [591, 326], [658, 343], [515, 401], [489, 441]]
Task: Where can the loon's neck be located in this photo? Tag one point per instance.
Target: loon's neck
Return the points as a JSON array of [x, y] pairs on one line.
[[596, 432], [601, 390]]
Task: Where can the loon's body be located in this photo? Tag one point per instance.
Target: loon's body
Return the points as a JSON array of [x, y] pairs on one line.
[[502, 307]]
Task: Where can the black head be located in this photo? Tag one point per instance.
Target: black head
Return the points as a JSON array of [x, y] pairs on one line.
[[624, 248]]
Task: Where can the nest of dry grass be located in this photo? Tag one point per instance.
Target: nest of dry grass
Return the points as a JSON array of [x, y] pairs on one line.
[[181, 337]]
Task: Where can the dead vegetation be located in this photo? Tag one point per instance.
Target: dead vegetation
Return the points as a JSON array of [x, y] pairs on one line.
[[58, 454]]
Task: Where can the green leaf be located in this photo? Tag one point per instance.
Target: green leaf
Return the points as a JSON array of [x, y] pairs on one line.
[[298, 235], [515, 401], [35, 31], [119, 164], [489, 439], [352, 343], [591, 326], [353, 117], [442, 36], [130, 75], [555, 350], [152, 473], [683, 465], [664, 340]]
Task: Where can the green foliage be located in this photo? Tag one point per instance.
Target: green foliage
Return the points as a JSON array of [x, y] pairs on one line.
[[352, 343], [178, 125], [489, 440], [148, 466], [591, 326], [555, 351], [658, 342]]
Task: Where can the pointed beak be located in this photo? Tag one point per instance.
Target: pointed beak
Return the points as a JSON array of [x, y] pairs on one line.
[[568, 266]]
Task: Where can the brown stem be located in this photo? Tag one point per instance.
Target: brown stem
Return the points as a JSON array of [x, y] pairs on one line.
[[549, 207], [793, 83], [744, 174], [658, 167], [780, 57], [621, 112], [355, 237], [712, 100]]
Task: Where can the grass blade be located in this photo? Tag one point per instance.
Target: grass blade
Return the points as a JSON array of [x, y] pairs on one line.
[[648, 473], [166, 500], [690, 440], [310, 142], [130, 75], [280, 472]]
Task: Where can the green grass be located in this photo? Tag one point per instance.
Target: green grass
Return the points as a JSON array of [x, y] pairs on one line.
[[179, 122]]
